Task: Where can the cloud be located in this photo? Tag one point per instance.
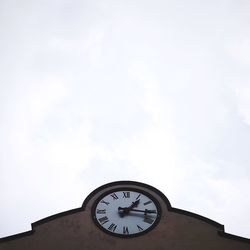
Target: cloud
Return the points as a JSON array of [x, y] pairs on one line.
[[242, 92], [240, 50], [102, 91]]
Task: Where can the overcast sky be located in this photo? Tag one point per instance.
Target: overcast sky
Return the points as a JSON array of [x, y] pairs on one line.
[[99, 91]]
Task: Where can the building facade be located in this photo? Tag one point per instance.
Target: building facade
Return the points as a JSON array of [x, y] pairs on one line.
[[125, 215]]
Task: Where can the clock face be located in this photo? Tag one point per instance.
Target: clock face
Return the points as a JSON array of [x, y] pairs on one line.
[[126, 212]]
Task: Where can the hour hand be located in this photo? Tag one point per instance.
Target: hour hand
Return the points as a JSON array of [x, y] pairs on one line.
[[134, 204], [125, 210]]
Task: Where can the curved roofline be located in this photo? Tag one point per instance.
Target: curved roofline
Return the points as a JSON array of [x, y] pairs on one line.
[[220, 227], [197, 216], [119, 183]]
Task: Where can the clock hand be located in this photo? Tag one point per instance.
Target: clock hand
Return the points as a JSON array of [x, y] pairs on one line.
[[134, 204], [146, 211], [124, 210]]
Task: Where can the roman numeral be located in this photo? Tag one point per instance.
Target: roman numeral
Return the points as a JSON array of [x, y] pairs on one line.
[[105, 202], [112, 227], [139, 228], [114, 195], [146, 203], [101, 211], [103, 220], [126, 195], [148, 220], [125, 230], [138, 196], [149, 211]]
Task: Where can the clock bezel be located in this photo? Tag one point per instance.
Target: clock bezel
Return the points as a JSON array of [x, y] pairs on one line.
[[125, 188]]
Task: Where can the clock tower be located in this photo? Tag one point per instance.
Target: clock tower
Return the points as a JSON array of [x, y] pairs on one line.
[[125, 215]]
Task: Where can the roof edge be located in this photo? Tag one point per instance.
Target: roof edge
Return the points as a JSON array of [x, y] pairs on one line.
[[233, 237], [220, 227], [199, 217]]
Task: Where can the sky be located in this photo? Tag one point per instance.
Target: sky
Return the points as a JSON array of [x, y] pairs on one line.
[[98, 91]]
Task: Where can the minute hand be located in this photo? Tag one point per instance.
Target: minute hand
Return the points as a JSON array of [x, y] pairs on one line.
[[146, 211]]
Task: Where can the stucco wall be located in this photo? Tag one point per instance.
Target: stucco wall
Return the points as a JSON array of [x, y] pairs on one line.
[[75, 230]]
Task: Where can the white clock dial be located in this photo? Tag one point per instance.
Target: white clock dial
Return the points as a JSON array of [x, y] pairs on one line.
[[126, 212]]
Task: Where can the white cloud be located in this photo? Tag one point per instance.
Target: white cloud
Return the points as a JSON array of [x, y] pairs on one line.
[[242, 92], [240, 50], [101, 91]]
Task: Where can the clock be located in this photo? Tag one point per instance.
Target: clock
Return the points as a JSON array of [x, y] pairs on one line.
[[126, 212]]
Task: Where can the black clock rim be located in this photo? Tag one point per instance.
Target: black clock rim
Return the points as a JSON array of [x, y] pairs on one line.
[[126, 188]]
